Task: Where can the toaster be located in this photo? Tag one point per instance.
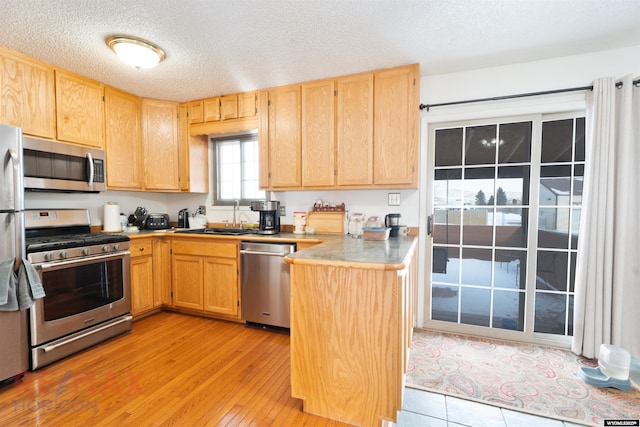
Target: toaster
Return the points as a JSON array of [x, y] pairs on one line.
[[157, 221]]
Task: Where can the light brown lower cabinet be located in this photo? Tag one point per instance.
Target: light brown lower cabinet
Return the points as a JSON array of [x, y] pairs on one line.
[[141, 269], [351, 327], [150, 272], [162, 272], [205, 276], [200, 275]]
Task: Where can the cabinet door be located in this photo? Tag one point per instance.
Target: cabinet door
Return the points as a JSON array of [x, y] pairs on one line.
[[284, 137], [212, 109], [161, 272], [160, 142], [123, 140], [187, 281], [354, 130], [79, 110], [184, 119], [141, 269], [194, 156], [196, 111], [229, 107], [221, 286], [27, 94], [247, 104], [141, 284], [395, 126], [263, 138], [318, 137]]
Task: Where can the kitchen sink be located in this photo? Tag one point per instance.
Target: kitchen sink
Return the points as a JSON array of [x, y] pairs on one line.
[[219, 231]]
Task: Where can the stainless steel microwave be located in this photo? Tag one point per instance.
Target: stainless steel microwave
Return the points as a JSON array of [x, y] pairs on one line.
[[55, 166]]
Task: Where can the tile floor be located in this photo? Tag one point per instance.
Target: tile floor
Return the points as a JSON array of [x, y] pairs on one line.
[[425, 409]]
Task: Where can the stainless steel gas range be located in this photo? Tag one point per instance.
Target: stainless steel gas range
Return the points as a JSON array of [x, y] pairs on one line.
[[86, 279]]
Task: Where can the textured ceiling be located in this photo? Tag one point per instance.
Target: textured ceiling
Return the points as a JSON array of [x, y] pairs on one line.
[[223, 46]]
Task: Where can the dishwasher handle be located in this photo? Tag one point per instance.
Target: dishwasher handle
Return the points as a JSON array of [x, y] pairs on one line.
[[248, 252]]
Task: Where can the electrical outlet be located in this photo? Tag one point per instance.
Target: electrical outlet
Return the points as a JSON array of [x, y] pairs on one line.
[[202, 209], [394, 199], [283, 211]]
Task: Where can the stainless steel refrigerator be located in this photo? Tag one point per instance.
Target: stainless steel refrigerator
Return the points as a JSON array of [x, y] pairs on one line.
[[14, 346]]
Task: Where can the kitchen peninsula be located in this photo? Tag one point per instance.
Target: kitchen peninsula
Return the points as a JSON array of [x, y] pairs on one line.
[[352, 313]]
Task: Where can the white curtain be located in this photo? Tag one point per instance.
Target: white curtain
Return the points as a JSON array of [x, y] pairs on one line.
[[607, 282]]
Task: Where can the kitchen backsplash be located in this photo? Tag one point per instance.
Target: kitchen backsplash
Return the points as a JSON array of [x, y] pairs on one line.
[[369, 202]]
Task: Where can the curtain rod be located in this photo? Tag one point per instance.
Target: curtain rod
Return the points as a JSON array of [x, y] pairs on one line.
[[520, 95]]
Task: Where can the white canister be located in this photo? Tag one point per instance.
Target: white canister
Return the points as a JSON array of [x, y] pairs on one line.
[[356, 222], [299, 221]]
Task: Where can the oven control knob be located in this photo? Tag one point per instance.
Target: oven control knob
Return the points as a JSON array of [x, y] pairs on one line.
[[48, 256], [116, 247], [106, 248], [64, 254], [86, 251]]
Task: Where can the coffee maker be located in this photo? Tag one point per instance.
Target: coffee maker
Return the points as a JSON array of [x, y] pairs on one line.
[[393, 221], [269, 216], [183, 218]]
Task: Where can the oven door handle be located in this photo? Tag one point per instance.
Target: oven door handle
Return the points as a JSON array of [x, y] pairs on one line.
[[81, 261], [51, 347]]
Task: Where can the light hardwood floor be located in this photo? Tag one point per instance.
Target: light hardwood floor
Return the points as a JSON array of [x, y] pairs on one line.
[[171, 369]]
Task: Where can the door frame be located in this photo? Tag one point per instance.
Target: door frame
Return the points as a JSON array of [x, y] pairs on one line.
[[511, 108]]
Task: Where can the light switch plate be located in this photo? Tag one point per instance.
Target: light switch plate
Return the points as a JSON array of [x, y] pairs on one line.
[[283, 210], [394, 199]]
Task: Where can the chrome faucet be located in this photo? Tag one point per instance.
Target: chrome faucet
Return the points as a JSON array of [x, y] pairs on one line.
[[235, 208]]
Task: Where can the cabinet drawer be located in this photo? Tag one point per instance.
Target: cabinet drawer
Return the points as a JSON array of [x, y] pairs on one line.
[[141, 248], [205, 248]]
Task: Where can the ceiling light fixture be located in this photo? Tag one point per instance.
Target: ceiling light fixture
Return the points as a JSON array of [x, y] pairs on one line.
[[135, 51]]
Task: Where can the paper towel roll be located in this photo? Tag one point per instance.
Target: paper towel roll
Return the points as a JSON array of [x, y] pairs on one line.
[[111, 218]]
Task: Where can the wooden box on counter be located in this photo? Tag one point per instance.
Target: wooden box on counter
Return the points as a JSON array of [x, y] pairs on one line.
[[326, 222]]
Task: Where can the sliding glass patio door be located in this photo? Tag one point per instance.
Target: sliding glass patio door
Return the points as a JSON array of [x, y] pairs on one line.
[[504, 198]]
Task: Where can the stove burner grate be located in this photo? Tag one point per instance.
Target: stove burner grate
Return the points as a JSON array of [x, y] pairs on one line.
[[38, 244]]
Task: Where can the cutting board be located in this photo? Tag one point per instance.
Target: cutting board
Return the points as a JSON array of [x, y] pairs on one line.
[[326, 222]]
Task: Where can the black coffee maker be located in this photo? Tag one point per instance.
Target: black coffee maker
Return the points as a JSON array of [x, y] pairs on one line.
[[183, 218], [392, 220], [269, 216]]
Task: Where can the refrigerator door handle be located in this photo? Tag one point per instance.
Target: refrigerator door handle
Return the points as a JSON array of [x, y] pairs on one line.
[[17, 178]]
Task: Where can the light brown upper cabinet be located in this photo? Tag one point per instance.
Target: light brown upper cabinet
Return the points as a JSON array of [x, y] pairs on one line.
[[27, 94], [79, 109], [123, 140], [220, 108], [211, 109], [263, 138], [284, 137], [354, 130], [318, 136], [247, 104], [194, 156], [395, 126], [357, 131], [160, 145], [229, 107], [196, 111]]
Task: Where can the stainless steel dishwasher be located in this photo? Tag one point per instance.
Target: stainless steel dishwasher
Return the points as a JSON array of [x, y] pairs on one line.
[[265, 283]]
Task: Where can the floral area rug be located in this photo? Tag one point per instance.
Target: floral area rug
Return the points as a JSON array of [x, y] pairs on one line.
[[538, 380]]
